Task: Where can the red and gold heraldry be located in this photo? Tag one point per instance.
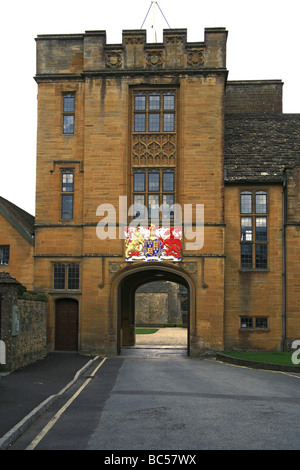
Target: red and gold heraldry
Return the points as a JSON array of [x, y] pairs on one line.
[[153, 243]]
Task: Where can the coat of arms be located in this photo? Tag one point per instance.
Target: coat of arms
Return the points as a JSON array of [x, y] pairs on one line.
[[153, 243]]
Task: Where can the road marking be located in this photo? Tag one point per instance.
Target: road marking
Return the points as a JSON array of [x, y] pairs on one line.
[[56, 417], [290, 374]]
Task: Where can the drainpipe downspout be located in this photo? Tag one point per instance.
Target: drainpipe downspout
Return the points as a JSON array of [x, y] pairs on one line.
[[284, 201]]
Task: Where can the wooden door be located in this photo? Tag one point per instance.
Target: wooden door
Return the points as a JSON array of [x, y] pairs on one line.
[[66, 325]]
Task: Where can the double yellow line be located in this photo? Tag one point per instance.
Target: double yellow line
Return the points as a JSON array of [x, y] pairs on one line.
[[56, 417]]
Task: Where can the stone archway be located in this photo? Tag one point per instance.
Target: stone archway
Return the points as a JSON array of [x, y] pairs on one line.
[[126, 284]]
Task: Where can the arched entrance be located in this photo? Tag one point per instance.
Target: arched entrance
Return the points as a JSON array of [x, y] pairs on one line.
[[128, 282], [66, 325]]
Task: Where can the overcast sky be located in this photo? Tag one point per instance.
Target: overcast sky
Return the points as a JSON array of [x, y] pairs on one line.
[[263, 43]]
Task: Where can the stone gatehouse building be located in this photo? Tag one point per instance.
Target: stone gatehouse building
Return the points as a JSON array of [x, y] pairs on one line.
[[139, 129]]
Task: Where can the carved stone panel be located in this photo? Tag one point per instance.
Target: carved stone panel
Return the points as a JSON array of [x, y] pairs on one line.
[[113, 59], [195, 57], [154, 149]]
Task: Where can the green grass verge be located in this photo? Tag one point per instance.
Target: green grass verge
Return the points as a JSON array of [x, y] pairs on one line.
[[270, 357], [145, 331]]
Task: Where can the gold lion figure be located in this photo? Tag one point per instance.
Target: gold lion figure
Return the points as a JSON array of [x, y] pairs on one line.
[[134, 246]]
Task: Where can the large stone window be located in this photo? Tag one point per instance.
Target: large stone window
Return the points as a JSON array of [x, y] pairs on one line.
[[254, 237]]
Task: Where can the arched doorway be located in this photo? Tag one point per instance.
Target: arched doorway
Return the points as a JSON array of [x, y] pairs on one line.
[[66, 325], [128, 282]]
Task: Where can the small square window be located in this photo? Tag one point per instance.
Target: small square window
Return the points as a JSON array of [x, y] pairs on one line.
[[246, 322], [63, 272], [261, 322]]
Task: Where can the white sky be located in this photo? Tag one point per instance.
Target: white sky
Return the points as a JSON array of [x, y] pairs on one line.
[[263, 43]]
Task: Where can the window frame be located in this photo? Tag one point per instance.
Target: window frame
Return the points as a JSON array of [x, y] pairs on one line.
[[4, 256], [159, 192], [147, 116], [68, 113], [66, 194], [66, 281], [251, 323], [253, 231]]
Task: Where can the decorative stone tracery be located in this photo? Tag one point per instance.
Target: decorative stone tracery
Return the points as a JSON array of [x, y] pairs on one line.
[[154, 149], [195, 57]]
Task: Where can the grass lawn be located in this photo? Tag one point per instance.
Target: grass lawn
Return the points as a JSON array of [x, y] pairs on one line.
[[145, 331], [270, 357]]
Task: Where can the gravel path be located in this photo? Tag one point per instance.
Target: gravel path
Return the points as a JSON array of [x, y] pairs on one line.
[[164, 337]]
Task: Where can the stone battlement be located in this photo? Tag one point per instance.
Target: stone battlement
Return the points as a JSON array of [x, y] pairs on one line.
[[90, 53]]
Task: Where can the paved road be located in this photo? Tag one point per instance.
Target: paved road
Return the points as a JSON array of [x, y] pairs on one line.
[[155, 399]]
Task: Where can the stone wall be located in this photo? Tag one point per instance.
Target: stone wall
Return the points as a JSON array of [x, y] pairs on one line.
[[157, 303], [23, 325]]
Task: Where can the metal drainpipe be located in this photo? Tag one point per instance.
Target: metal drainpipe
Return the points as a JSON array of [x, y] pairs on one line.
[[284, 200]]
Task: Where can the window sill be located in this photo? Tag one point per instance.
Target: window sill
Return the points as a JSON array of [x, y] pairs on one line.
[[65, 292], [254, 330], [251, 270]]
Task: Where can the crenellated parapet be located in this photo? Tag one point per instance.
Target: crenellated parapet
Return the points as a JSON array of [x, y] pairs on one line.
[[89, 53]]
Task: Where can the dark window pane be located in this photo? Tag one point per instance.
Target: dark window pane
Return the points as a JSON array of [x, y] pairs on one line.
[[261, 256], [4, 254], [67, 182], [68, 125], [69, 104], [73, 276], [59, 276], [261, 203], [261, 229], [246, 229], [168, 181], [169, 122], [154, 122], [261, 322], [169, 101], [154, 102], [246, 256], [140, 102], [246, 322], [153, 181], [140, 123], [246, 203], [139, 181], [67, 207]]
